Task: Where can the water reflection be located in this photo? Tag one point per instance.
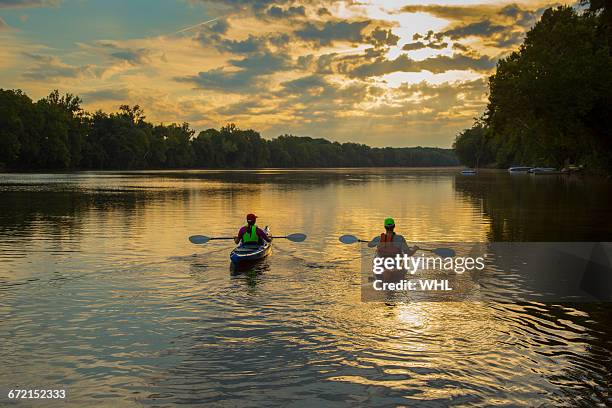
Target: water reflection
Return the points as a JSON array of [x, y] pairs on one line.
[[103, 294], [522, 207]]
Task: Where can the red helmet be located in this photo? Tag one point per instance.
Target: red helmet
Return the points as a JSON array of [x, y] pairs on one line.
[[251, 217]]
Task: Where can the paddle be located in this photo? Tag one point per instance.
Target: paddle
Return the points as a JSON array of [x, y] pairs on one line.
[[441, 252], [201, 239]]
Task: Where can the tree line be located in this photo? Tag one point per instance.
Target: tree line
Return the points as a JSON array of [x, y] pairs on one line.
[[56, 133], [550, 102]]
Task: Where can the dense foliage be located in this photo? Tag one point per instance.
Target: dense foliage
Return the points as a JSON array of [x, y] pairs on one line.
[[55, 133], [550, 102]]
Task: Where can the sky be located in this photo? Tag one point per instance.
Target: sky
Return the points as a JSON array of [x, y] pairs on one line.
[[380, 72]]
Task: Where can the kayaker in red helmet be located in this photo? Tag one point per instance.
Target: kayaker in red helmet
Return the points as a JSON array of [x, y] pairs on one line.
[[391, 243], [251, 234]]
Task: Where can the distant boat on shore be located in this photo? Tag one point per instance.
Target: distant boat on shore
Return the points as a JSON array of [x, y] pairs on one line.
[[519, 169], [469, 172], [545, 171], [572, 169]]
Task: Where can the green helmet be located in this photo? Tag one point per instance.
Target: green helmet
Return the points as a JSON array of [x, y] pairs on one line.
[[389, 222]]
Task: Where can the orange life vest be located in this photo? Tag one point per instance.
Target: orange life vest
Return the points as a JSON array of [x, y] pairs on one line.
[[387, 238], [386, 247]]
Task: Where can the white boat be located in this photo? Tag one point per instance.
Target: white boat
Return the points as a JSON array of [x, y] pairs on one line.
[[519, 169], [544, 171], [468, 172]]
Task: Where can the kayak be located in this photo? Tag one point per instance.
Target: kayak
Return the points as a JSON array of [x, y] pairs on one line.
[[249, 253]]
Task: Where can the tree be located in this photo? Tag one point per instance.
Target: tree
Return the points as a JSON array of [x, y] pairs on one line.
[[56, 133], [471, 146], [550, 102]]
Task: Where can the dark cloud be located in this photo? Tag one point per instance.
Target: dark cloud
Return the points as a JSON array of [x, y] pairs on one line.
[[443, 63], [334, 63], [332, 31], [436, 65], [211, 37], [483, 28], [498, 27], [120, 94], [219, 26], [221, 79], [414, 46], [323, 12], [133, 56], [252, 44], [511, 14], [245, 108], [459, 13], [248, 77], [522, 17], [279, 40], [304, 84], [460, 47], [263, 63], [292, 11], [28, 3], [48, 67], [249, 45], [383, 38], [258, 7], [507, 39], [419, 45]]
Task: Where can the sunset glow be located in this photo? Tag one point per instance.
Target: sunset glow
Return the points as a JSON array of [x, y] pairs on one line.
[[415, 71]]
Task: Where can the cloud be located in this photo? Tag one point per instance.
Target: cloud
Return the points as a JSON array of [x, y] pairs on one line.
[[381, 37], [218, 38], [133, 56], [332, 31], [420, 113], [414, 46], [460, 47], [483, 28], [323, 11], [420, 45], [458, 13], [249, 45], [50, 67], [292, 11], [119, 94], [3, 25], [436, 65], [500, 27], [28, 3], [219, 26], [247, 78], [257, 7], [304, 84]]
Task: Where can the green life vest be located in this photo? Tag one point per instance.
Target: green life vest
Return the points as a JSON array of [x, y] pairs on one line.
[[250, 237]]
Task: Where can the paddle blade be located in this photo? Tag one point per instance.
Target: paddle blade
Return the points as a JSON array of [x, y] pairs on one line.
[[444, 252], [348, 239], [296, 237], [198, 239]]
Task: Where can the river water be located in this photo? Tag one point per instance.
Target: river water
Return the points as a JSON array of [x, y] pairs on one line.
[[102, 295]]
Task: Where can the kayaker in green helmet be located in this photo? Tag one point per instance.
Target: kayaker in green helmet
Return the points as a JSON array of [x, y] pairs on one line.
[[251, 234], [391, 244]]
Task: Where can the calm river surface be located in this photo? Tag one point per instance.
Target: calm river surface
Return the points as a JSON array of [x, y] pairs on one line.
[[101, 293]]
